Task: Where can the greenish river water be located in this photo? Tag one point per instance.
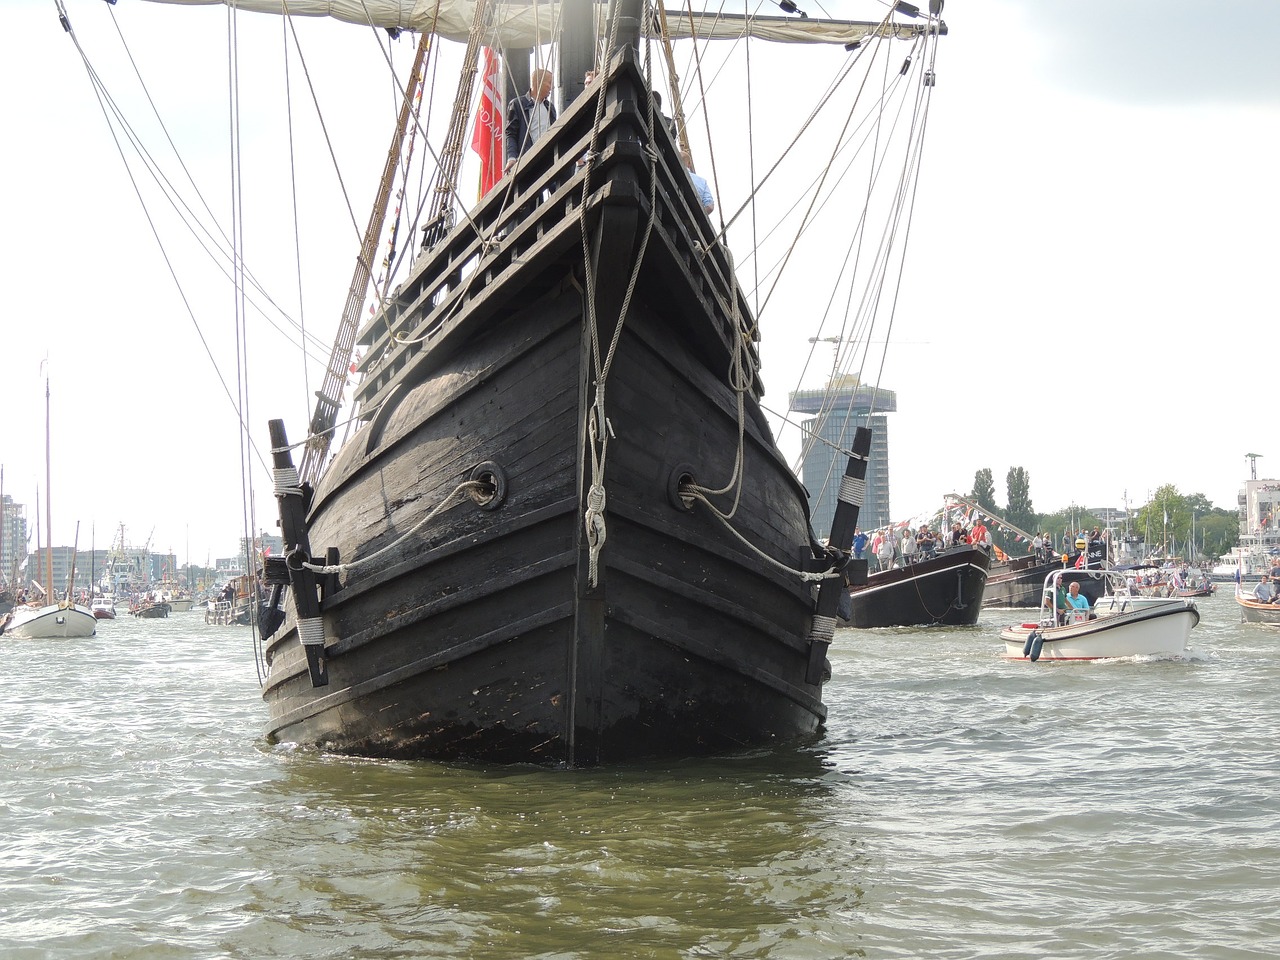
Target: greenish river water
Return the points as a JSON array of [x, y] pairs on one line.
[[958, 806]]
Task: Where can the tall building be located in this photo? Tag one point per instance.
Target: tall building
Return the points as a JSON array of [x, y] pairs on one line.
[[13, 549], [843, 406], [63, 559]]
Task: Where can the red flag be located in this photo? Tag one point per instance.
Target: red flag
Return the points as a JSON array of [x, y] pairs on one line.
[[487, 139]]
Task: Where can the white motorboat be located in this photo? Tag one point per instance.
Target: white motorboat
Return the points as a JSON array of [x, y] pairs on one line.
[[55, 620], [1115, 625], [103, 608]]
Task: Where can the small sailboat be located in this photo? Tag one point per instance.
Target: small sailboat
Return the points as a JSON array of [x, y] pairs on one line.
[[61, 618]]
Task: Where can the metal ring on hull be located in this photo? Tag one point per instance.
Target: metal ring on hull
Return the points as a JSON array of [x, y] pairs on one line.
[[491, 474]]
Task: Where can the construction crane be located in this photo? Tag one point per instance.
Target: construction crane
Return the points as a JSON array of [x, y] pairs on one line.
[[1253, 464]]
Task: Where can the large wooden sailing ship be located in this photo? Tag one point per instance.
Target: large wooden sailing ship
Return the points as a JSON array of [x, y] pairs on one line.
[[564, 532]]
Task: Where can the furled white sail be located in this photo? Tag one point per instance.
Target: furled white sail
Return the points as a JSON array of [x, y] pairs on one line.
[[515, 25]]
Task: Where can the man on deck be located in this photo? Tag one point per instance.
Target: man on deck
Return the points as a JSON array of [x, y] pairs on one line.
[[529, 117]]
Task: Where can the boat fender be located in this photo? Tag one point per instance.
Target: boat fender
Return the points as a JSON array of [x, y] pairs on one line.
[[1035, 647], [1026, 647]]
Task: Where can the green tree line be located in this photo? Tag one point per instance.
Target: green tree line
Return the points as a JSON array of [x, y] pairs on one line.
[[1168, 521]]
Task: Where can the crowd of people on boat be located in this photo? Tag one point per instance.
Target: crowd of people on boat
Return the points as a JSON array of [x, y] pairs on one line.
[[916, 544]]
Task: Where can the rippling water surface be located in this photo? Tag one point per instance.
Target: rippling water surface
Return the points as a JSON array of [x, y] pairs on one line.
[[958, 806]]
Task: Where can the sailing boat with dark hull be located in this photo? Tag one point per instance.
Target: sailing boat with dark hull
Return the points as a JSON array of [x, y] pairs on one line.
[[564, 532], [510, 627]]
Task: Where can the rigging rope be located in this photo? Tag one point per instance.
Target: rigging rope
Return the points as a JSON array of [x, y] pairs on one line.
[[236, 176], [598, 428], [104, 100], [466, 486], [803, 575]]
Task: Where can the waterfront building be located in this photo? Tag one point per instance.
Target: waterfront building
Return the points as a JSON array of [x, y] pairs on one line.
[[13, 549], [90, 566], [37, 568], [227, 567], [844, 405], [1259, 511]]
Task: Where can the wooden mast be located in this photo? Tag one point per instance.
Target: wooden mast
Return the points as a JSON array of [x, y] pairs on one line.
[[48, 499], [677, 106], [329, 396]]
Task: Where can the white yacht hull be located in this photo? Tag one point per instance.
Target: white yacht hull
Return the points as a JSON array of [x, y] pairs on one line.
[[61, 621], [1151, 630], [1110, 604]]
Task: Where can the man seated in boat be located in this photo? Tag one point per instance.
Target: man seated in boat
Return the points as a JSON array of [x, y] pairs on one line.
[[1077, 603], [1262, 592]]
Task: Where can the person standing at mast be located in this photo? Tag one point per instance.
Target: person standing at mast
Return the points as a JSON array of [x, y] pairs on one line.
[[530, 116]]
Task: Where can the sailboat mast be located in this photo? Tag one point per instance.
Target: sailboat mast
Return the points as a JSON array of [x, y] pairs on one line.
[[577, 47], [48, 496], [71, 576], [36, 572], [677, 105], [329, 396], [628, 13]]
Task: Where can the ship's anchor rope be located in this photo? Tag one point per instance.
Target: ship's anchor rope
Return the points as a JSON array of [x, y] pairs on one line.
[[599, 430], [467, 486], [803, 575]]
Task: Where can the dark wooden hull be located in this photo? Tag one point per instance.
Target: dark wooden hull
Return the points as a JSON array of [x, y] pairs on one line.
[[946, 590], [482, 635], [153, 611], [1019, 582]]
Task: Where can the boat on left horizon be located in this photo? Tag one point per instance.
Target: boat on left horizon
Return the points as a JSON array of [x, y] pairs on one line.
[[61, 618]]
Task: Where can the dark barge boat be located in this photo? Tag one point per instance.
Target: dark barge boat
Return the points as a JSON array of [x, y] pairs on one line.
[[1019, 581], [945, 589]]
